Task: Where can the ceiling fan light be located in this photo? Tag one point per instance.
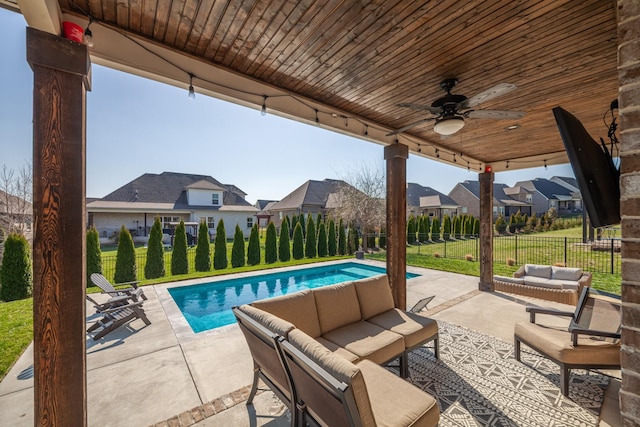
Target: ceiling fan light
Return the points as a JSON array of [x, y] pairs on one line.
[[449, 125]]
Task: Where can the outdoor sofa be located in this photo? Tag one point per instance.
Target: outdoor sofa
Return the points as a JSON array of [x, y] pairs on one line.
[[329, 342], [551, 283]]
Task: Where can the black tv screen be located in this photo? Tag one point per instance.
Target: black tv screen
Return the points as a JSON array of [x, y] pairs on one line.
[[597, 176]]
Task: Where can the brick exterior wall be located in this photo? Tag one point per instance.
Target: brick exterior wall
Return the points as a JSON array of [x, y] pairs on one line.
[[629, 98]]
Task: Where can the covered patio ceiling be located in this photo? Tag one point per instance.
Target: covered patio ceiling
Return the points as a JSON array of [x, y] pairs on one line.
[[350, 63]]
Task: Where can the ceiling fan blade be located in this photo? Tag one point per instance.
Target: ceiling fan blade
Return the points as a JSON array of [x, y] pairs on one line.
[[433, 110], [409, 126], [494, 114], [497, 90]]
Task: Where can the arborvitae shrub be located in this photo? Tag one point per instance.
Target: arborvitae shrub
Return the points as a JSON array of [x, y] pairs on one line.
[[220, 247], [322, 240], [237, 250], [457, 227], [318, 221], [154, 267], [342, 239], [332, 246], [126, 270], [468, 226], [501, 224], [411, 230], [203, 250], [298, 242], [446, 227], [310, 247], [371, 240], [284, 246], [382, 242], [94, 257], [356, 239], [253, 250], [270, 245], [435, 229], [302, 220], [292, 226], [350, 241], [423, 234], [15, 274], [476, 226], [179, 263]]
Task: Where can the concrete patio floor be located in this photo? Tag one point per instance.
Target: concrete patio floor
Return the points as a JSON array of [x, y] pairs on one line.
[[155, 375]]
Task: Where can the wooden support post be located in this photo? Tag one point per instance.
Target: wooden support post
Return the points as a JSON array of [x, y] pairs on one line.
[[486, 232], [61, 71], [396, 156]]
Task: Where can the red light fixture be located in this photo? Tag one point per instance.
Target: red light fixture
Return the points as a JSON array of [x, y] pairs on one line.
[[488, 169]]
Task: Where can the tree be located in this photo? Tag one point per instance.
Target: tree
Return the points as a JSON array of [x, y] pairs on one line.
[[94, 256], [411, 230], [457, 226], [253, 250], [501, 224], [322, 240], [126, 269], [476, 226], [342, 239], [284, 245], [154, 266], [298, 243], [423, 228], [15, 200], [383, 238], [270, 245], [310, 247], [468, 226], [446, 227], [351, 241], [237, 250], [220, 247], [301, 220], [203, 250], [360, 200], [435, 229], [332, 247], [15, 274], [179, 262], [292, 226]]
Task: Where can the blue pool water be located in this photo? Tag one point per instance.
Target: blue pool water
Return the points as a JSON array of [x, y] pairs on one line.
[[208, 306]]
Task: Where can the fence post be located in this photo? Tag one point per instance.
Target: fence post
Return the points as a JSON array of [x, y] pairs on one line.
[[516, 257], [565, 251], [445, 248], [612, 254]]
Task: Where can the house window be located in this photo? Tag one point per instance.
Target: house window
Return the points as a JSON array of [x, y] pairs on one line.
[[464, 209], [495, 210], [167, 220], [215, 199], [529, 198], [249, 222], [211, 222], [280, 215], [501, 209], [553, 203]]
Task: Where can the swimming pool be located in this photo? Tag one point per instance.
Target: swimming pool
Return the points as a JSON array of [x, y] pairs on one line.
[[208, 306]]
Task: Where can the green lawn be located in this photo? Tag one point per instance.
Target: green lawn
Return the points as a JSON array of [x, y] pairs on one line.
[[16, 331]]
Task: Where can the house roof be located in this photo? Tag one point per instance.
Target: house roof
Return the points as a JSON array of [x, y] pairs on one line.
[[416, 192], [501, 193], [314, 193], [567, 181], [263, 204], [547, 188], [170, 188]]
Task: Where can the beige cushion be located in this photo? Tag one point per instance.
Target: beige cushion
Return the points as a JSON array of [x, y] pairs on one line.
[[298, 308], [543, 283], [336, 349], [517, 280], [396, 402], [268, 320], [368, 341], [337, 306], [339, 368], [543, 271], [556, 343], [415, 329], [566, 273], [374, 295]]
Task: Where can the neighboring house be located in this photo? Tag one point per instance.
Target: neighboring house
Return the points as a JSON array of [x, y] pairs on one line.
[[427, 201], [572, 184], [548, 194], [16, 214], [467, 195], [312, 197], [264, 212], [173, 197]]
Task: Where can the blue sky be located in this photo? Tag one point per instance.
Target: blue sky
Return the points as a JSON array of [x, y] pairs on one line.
[[137, 126]]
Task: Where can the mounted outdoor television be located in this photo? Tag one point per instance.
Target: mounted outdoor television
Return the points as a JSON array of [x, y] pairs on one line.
[[593, 167]]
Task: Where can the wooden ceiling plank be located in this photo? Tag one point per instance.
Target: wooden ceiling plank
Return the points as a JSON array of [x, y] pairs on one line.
[[262, 15], [135, 15], [148, 19], [233, 24], [122, 14], [109, 12], [187, 19], [94, 7], [210, 27], [161, 19], [173, 21], [226, 19]]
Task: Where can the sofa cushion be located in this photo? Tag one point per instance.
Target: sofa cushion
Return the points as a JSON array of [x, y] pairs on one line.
[[535, 270], [337, 306], [374, 295], [516, 280], [336, 349], [556, 343], [543, 283], [566, 273], [367, 341], [298, 308], [339, 368], [415, 329], [268, 320], [396, 402]]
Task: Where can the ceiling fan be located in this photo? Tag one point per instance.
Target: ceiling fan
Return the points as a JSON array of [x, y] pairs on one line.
[[451, 110]]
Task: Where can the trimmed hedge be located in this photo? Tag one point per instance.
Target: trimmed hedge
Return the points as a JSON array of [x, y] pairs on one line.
[[298, 242], [237, 250], [322, 241], [310, 249], [220, 247], [332, 247], [253, 250], [15, 275], [94, 255], [203, 250], [126, 269], [154, 266], [270, 245], [179, 262], [284, 245]]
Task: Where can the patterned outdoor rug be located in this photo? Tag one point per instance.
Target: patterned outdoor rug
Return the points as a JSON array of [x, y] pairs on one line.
[[478, 383]]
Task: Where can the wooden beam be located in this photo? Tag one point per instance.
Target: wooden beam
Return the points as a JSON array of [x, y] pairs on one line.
[[61, 73], [486, 231], [396, 156]]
